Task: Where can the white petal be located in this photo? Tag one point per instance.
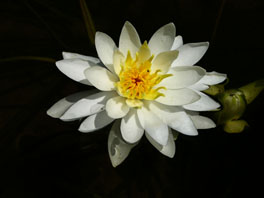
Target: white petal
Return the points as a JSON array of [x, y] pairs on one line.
[[199, 86], [174, 117], [116, 107], [190, 54], [178, 42], [118, 59], [69, 55], [129, 39], [105, 47], [95, 122], [163, 61], [101, 78], [168, 150], [205, 103], [74, 68], [184, 76], [154, 126], [60, 107], [202, 122], [212, 78], [144, 53], [131, 129], [88, 105], [178, 96], [162, 39], [118, 149]]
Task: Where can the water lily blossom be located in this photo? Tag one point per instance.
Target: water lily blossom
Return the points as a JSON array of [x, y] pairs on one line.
[[152, 88]]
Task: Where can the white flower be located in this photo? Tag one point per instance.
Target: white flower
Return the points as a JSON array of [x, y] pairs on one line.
[[151, 87]]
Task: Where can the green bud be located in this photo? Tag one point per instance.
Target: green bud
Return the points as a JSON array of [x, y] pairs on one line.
[[214, 90], [235, 126], [233, 106]]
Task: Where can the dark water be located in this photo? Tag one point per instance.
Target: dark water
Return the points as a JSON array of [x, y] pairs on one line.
[[44, 157]]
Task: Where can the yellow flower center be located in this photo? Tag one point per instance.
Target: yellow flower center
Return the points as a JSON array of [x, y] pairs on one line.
[[137, 81]]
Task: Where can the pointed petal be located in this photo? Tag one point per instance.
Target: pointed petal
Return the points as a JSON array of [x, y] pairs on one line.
[[131, 129], [69, 55], [162, 39], [144, 53], [116, 107], [163, 61], [175, 97], [88, 106], [205, 103], [105, 47], [178, 42], [74, 68], [199, 86], [101, 78], [184, 76], [129, 39], [174, 117], [59, 108], [157, 129], [95, 122], [168, 150], [202, 122], [118, 149], [190, 54], [212, 78], [118, 59]]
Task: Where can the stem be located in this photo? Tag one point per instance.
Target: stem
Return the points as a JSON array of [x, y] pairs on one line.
[[88, 21]]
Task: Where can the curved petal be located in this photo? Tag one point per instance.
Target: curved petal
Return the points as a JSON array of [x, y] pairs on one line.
[[118, 59], [60, 107], [205, 103], [88, 106], [95, 122], [175, 97], [154, 126], [131, 129], [178, 42], [144, 53], [129, 39], [184, 76], [190, 54], [74, 68], [202, 122], [162, 39], [105, 47], [212, 78], [118, 149], [199, 86], [116, 107], [101, 78], [169, 149], [69, 55], [174, 117], [163, 61]]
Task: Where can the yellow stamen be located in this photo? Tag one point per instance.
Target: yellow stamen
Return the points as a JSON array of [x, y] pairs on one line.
[[137, 81]]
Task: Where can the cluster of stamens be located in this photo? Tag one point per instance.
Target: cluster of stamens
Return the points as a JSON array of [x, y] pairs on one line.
[[137, 81]]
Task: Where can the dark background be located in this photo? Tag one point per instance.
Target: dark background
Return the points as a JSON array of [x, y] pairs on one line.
[[44, 157]]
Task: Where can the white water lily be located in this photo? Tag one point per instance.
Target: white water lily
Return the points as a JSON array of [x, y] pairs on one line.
[[152, 88]]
